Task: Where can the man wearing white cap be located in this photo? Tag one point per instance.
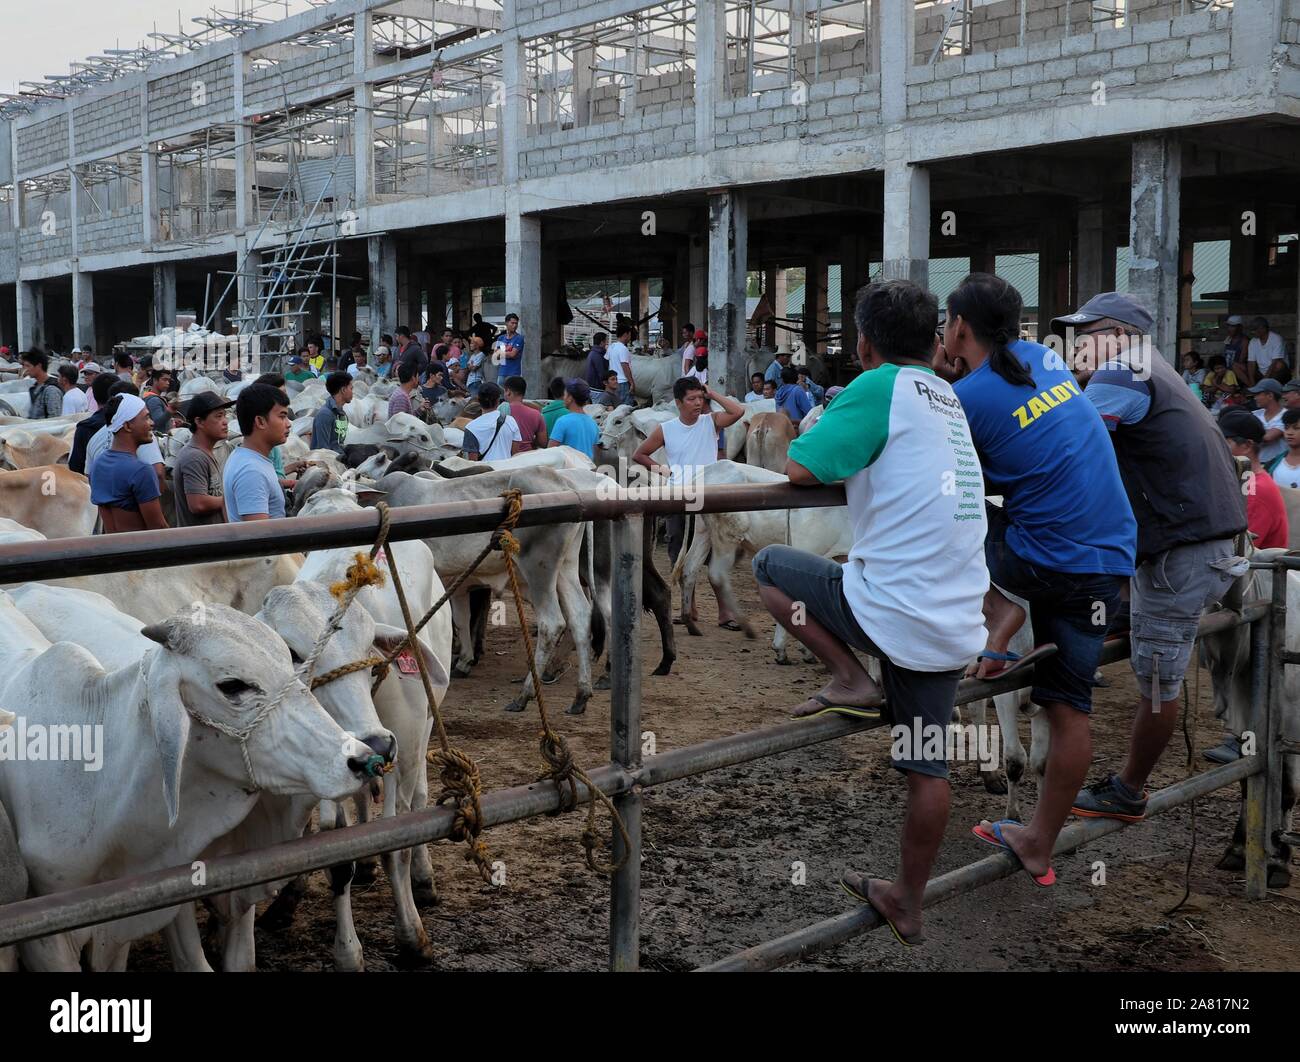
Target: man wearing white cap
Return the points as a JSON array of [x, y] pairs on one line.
[[1234, 344], [88, 373], [125, 488]]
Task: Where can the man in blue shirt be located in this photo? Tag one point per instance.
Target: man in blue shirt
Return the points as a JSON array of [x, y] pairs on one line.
[[791, 399], [1063, 539], [329, 428], [597, 366], [781, 361], [249, 482], [124, 487], [511, 345], [575, 428]]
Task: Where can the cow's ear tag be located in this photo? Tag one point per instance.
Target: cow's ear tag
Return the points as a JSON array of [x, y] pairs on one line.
[[406, 663]]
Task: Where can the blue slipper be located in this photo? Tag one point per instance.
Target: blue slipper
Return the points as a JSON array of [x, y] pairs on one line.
[[1014, 661]]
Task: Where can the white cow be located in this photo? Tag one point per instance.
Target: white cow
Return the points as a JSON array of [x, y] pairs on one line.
[[402, 432], [51, 499], [548, 563], [188, 783], [768, 443], [720, 538], [1227, 656]]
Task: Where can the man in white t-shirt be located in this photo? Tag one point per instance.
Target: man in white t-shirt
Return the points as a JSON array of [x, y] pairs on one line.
[[690, 443], [1265, 352], [912, 592], [619, 359], [493, 434], [1285, 470], [1268, 396], [74, 398]]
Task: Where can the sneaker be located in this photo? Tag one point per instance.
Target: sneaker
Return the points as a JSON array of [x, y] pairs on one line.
[[1226, 751], [1110, 799]]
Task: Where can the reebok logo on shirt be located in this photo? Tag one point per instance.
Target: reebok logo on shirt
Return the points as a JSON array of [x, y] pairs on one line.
[[945, 403], [1043, 401]]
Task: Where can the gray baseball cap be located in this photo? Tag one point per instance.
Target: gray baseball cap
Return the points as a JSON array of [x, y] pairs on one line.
[[1270, 385], [1113, 304], [1294, 385]]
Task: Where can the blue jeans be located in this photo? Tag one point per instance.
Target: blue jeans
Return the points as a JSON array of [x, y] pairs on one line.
[[1067, 608], [625, 397]]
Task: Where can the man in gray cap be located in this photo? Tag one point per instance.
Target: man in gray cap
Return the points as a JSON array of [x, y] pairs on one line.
[[1291, 395], [1268, 397], [1187, 498]]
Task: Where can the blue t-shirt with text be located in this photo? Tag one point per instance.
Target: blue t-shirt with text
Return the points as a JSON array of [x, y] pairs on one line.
[[1045, 450]]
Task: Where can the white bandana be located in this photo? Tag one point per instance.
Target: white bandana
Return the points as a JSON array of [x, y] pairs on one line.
[[127, 410]]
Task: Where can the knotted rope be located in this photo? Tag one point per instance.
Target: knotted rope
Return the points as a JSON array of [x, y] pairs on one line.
[[556, 756]]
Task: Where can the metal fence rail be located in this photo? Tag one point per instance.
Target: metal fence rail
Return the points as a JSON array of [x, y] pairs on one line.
[[627, 775]]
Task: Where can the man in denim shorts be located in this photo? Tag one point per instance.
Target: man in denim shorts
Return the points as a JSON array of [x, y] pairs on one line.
[[912, 589], [1189, 505]]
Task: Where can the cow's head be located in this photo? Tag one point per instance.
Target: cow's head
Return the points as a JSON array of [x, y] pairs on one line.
[[406, 430], [216, 675]]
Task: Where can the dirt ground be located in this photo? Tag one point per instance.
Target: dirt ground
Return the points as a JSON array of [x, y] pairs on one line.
[[718, 851]]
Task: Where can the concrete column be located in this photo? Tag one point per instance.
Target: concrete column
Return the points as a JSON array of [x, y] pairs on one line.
[[1090, 267], [475, 300], [462, 304], [854, 273], [524, 288], [83, 309], [679, 294], [710, 83], [410, 294], [584, 59], [363, 98], [149, 195], [1053, 272], [816, 313], [514, 114], [382, 252], [435, 292], [897, 19], [906, 254], [1154, 235], [728, 258], [31, 315], [347, 298], [698, 267], [246, 286], [983, 260], [780, 307], [244, 168], [640, 307], [164, 296], [550, 333]]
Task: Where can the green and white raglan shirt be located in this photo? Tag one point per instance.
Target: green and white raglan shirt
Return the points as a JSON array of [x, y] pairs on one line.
[[915, 577]]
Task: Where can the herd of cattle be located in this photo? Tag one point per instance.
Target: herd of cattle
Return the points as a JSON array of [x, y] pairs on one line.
[[157, 657]]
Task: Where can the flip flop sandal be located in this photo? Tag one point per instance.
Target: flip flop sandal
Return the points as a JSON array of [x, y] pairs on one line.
[[731, 625], [1043, 881], [857, 711], [861, 896], [1015, 662]]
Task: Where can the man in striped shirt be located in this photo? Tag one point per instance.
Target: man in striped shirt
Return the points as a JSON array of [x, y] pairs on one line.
[[407, 381]]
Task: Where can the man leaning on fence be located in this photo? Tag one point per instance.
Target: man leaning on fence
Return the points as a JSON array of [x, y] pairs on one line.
[[912, 591]]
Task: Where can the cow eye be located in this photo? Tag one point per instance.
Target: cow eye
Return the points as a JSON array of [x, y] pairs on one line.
[[234, 688], [293, 654]]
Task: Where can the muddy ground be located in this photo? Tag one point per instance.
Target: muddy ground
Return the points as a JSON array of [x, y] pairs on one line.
[[719, 849]]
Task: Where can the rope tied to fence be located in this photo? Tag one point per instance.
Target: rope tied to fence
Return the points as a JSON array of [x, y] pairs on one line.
[[557, 758]]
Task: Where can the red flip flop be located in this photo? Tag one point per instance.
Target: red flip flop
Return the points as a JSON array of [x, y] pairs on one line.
[[1043, 881]]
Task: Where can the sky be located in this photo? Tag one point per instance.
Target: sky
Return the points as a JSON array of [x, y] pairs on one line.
[[50, 34]]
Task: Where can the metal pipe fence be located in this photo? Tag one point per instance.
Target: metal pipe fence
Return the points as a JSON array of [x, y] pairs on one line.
[[627, 775]]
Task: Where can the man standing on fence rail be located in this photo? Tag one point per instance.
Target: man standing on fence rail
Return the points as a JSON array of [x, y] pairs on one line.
[[912, 591], [1189, 507]]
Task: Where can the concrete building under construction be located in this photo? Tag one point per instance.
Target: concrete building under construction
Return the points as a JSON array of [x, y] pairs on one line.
[[405, 154]]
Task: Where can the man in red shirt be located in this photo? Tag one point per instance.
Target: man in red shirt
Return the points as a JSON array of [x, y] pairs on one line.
[[531, 425], [1265, 509]]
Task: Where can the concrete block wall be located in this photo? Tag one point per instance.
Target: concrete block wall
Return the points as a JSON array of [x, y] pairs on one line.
[[325, 67], [112, 232], [833, 59], [643, 138], [997, 25], [603, 104], [1291, 30], [835, 110], [42, 145], [665, 91], [1126, 59], [529, 10], [172, 98], [34, 246], [8, 257], [106, 121]]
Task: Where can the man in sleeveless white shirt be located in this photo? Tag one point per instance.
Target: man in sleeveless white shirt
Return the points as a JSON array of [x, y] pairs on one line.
[[690, 442]]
